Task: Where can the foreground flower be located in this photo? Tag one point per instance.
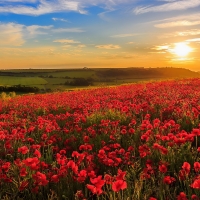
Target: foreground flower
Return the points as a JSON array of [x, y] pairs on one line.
[[168, 180], [98, 183], [182, 196], [23, 150], [119, 185], [186, 167], [196, 184]]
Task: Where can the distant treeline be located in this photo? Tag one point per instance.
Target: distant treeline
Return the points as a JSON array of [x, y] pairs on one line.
[[19, 88], [80, 82]]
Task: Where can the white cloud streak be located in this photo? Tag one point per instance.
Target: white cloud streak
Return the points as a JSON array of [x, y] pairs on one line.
[[193, 40], [44, 7], [185, 33], [177, 23], [170, 6], [40, 7], [60, 19]]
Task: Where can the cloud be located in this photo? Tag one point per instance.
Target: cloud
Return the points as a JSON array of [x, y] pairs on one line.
[[177, 23], [17, 1], [162, 47], [108, 46], [193, 40], [68, 30], [40, 7], [11, 34], [67, 41], [170, 6], [38, 30], [60, 19], [191, 32], [123, 35]]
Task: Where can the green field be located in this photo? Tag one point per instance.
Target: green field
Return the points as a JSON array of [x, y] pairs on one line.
[[28, 81], [61, 79]]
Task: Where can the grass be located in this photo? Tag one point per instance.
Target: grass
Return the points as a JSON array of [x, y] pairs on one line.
[[29, 81]]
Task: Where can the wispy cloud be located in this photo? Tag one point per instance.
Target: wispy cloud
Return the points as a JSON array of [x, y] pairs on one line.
[[108, 46], [40, 7], [185, 33], [38, 30], [123, 35], [68, 30], [193, 40], [11, 34], [169, 6], [66, 41], [60, 19], [17, 1], [161, 47], [177, 23]]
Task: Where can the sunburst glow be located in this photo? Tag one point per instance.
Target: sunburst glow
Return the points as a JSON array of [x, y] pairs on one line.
[[181, 49]]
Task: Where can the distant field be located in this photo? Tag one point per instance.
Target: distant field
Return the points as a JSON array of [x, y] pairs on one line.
[[11, 80], [73, 73]]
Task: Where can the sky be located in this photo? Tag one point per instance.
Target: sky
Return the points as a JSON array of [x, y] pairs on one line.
[[99, 33]]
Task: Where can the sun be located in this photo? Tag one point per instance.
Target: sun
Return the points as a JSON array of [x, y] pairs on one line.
[[181, 49]]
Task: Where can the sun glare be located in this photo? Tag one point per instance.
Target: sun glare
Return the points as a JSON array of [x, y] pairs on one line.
[[181, 49]]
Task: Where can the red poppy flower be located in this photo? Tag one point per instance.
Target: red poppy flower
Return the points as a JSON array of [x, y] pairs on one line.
[[119, 185], [197, 166], [196, 184], [168, 180], [182, 196], [186, 167], [163, 168], [23, 150]]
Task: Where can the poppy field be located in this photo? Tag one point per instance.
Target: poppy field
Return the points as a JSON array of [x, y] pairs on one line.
[[130, 142]]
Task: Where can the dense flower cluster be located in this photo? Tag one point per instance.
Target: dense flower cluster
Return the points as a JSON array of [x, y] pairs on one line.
[[140, 141]]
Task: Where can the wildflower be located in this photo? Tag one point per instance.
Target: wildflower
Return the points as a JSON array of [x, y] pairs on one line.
[[120, 175], [6, 166], [119, 185], [168, 180], [162, 168], [194, 197], [23, 185], [24, 150], [23, 172], [197, 166], [55, 178], [37, 153], [40, 178], [182, 196], [98, 183], [82, 176], [186, 167], [196, 184], [108, 178]]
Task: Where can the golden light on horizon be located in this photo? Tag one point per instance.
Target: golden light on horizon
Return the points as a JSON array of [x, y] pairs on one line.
[[181, 49]]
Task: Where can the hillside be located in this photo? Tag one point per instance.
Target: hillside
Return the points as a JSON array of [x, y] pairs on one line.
[[148, 73]]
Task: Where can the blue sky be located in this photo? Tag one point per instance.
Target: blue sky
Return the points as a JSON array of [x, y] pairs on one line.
[[99, 33]]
